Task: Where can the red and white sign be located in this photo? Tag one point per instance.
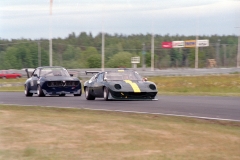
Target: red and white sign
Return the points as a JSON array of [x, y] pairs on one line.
[[178, 44], [203, 43], [166, 44]]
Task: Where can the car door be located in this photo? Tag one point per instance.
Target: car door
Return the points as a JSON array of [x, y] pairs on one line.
[[7, 74], [99, 85], [91, 83], [34, 79]]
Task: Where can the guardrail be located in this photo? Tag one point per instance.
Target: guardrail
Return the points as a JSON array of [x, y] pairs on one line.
[[169, 72], [157, 72]]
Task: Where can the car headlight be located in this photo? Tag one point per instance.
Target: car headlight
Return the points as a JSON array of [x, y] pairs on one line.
[[117, 86], [49, 84], [152, 86]]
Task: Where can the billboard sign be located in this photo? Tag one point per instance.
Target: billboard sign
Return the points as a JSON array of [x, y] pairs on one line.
[[177, 44], [135, 60], [190, 43], [203, 43], [166, 44]]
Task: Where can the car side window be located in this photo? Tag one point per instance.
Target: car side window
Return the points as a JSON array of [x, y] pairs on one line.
[[100, 77], [92, 79]]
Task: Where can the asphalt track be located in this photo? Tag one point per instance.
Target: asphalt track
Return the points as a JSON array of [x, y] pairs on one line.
[[207, 107]]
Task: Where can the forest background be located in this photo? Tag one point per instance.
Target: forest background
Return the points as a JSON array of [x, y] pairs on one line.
[[84, 51]]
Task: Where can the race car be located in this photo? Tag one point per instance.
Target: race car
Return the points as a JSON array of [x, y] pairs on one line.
[[7, 74], [119, 85], [48, 80]]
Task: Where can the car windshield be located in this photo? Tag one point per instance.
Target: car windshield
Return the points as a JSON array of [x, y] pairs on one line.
[[122, 75], [47, 72]]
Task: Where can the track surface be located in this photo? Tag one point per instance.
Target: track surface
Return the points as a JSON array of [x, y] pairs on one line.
[[227, 108]]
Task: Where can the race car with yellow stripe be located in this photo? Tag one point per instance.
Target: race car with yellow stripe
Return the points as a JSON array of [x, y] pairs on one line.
[[119, 85]]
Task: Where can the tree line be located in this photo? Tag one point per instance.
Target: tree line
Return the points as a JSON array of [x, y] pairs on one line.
[[84, 51]]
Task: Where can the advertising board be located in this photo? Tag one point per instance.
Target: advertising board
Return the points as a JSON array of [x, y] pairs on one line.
[[177, 44], [203, 43], [135, 60], [190, 43], [166, 44]]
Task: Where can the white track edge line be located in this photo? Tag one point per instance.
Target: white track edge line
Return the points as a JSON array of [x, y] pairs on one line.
[[164, 114]]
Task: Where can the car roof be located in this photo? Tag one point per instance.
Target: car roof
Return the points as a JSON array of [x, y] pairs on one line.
[[50, 67], [121, 70]]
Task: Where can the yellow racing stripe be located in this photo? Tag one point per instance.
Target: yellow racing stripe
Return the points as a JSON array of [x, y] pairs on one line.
[[133, 85]]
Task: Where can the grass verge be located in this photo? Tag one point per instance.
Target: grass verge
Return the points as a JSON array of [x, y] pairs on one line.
[[55, 134], [219, 85]]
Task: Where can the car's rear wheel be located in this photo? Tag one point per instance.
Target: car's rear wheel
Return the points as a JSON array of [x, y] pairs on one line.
[[88, 95], [27, 93], [105, 93], [40, 92]]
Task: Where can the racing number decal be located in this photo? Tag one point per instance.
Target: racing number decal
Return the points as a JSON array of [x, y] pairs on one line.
[[133, 85]]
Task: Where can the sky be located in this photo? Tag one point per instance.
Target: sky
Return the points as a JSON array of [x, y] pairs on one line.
[[32, 19]]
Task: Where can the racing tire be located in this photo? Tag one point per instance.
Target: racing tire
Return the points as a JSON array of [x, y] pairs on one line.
[[88, 95], [27, 93], [62, 95], [105, 93], [40, 92]]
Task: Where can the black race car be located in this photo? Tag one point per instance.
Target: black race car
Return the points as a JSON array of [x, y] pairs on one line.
[[51, 81], [119, 85]]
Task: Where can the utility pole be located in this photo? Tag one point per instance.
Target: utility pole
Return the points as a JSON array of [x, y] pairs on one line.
[[152, 53], [196, 43], [224, 55], [39, 54], [238, 55], [103, 39], [196, 52], [50, 34], [217, 53], [143, 57]]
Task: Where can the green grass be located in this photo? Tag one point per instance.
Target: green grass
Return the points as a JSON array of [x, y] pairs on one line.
[[199, 85], [12, 84], [13, 80], [58, 134]]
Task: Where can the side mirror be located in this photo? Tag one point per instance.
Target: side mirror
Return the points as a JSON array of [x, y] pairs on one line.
[[35, 75], [71, 75], [105, 79]]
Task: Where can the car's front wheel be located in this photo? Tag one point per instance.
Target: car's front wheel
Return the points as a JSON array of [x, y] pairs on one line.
[[105, 93], [88, 95], [40, 92], [27, 93]]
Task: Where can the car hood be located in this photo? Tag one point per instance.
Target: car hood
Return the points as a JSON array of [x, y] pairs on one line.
[[60, 78], [135, 86]]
